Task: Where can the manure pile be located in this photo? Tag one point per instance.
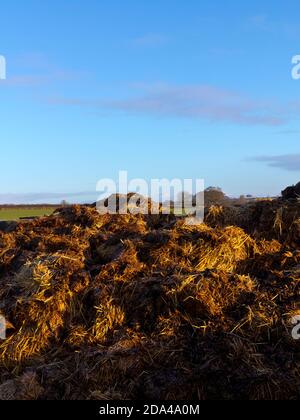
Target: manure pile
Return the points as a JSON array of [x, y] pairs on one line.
[[148, 307]]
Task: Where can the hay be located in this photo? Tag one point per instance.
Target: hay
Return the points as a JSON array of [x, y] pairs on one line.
[[265, 219], [221, 216], [147, 307]]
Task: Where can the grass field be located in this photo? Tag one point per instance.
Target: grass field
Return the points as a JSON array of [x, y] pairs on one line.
[[12, 213]]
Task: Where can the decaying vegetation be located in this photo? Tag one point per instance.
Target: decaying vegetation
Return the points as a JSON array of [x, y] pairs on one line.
[[148, 307]]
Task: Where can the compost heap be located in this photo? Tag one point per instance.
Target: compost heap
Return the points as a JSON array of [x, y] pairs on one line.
[[147, 307]]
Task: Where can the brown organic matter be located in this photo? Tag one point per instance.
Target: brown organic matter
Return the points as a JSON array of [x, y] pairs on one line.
[[148, 307]]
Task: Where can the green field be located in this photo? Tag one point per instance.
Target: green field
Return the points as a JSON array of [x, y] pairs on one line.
[[17, 213]]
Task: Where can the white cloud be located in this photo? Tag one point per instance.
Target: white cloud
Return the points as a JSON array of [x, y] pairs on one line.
[[189, 101], [289, 162]]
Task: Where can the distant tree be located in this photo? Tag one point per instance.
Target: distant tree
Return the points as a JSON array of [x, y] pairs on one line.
[[214, 196], [242, 200], [292, 192], [64, 203], [208, 189]]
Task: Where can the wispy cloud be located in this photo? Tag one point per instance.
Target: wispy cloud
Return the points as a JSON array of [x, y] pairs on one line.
[[262, 22], [24, 80], [32, 198], [189, 101], [33, 70], [34, 80], [289, 162], [150, 40]]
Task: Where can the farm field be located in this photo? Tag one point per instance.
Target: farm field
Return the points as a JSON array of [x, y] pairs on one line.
[[16, 213]]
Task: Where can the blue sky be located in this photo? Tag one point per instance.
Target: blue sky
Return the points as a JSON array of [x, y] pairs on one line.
[[161, 89]]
